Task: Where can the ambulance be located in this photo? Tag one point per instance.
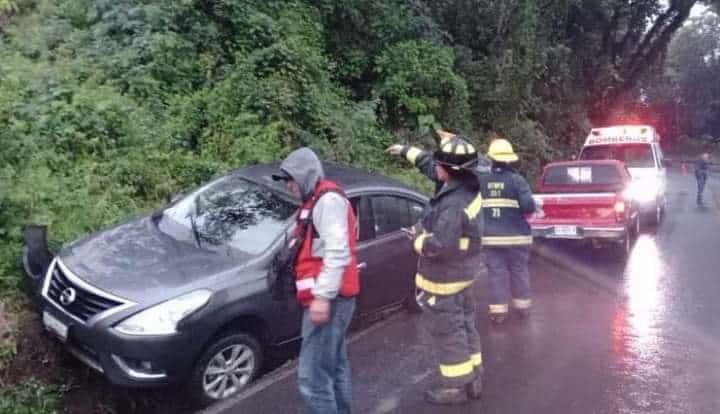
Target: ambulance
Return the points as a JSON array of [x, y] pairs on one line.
[[638, 147]]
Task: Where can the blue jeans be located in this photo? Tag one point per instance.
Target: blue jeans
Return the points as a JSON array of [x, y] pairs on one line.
[[701, 187], [508, 266], [324, 367]]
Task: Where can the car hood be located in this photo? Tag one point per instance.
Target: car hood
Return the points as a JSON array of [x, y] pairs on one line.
[[137, 261], [643, 173]]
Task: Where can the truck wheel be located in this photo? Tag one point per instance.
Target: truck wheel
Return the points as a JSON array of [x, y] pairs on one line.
[[622, 250], [228, 364], [654, 218], [636, 228]]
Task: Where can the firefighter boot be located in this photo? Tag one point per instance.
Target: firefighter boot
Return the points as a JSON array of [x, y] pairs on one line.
[[474, 388], [446, 396]]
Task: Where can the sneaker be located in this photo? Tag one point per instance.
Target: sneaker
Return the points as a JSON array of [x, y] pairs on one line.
[[498, 318], [446, 396]]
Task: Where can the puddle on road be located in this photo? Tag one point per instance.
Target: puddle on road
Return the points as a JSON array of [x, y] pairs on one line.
[[647, 383], [644, 294]]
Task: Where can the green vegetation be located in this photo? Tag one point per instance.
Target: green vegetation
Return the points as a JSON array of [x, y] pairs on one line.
[[683, 95], [8, 6], [31, 397], [108, 106]]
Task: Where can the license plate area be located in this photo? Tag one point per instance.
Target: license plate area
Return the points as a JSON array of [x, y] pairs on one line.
[[566, 231], [55, 326]]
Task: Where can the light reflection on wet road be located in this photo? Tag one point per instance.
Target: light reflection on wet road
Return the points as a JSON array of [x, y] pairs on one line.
[[640, 361]]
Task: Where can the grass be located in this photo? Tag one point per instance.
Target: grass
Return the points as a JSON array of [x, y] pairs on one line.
[[8, 331], [31, 397], [21, 395]]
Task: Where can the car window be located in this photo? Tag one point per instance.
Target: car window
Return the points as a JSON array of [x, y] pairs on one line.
[[230, 212], [582, 174], [391, 214], [365, 224], [633, 155]]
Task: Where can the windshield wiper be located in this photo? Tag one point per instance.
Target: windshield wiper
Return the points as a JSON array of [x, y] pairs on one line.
[[196, 234]]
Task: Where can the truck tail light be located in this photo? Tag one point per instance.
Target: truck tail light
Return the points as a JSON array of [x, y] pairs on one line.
[[619, 208]]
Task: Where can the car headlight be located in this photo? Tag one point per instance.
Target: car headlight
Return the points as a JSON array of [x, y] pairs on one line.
[[162, 319], [644, 190]]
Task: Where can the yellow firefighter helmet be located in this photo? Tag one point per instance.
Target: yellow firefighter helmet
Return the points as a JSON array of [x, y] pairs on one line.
[[502, 151]]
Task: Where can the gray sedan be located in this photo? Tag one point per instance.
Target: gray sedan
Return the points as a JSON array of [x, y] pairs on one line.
[[182, 295]]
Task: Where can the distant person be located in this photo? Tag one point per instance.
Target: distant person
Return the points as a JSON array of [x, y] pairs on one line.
[[327, 282], [702, 168]]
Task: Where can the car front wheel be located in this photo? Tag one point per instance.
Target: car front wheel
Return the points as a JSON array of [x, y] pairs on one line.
[[226, 367]]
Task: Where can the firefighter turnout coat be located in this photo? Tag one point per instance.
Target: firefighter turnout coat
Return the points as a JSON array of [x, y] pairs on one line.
[[449, 244], [506, 200]]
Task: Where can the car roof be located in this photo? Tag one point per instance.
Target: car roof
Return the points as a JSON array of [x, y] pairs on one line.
[[585, 162], [351, 179]]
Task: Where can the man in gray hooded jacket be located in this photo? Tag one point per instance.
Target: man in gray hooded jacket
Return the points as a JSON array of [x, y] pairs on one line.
[[327, 282]]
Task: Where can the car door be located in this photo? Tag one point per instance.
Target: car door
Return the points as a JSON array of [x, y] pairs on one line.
[[386, 259]]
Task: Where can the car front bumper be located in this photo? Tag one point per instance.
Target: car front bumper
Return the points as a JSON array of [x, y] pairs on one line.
[[126, 360]]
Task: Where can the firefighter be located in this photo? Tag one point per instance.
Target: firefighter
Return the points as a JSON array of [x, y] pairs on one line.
[[448, 242], [506, 200]]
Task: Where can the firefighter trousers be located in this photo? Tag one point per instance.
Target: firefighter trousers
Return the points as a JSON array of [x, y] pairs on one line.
[[450, 322], [508, 266]]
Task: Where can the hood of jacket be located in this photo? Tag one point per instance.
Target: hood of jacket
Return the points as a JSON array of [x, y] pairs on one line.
[[305, 169]]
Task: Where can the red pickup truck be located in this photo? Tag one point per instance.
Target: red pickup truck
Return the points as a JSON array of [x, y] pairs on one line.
[[587, 201]]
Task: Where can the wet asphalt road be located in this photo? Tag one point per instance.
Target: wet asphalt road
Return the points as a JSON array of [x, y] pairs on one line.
[[641, 337]]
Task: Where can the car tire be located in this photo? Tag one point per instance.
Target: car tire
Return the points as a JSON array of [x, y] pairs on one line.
[[37, 254], [622, 250], [33, 274], [411, 303], [239, 349], [637, 228], [655, 217], [33, 277]]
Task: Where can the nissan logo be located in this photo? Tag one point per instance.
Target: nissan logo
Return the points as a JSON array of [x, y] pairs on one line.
[[67, 297]]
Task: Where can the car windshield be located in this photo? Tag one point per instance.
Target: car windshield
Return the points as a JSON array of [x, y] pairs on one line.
[[229, 213], [633, 155], [582, 174]]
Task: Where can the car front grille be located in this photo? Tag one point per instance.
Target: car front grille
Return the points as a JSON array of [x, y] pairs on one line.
[[85, 304]]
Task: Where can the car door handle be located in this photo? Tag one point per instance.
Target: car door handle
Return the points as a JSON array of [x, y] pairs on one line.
[[362, 266]]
